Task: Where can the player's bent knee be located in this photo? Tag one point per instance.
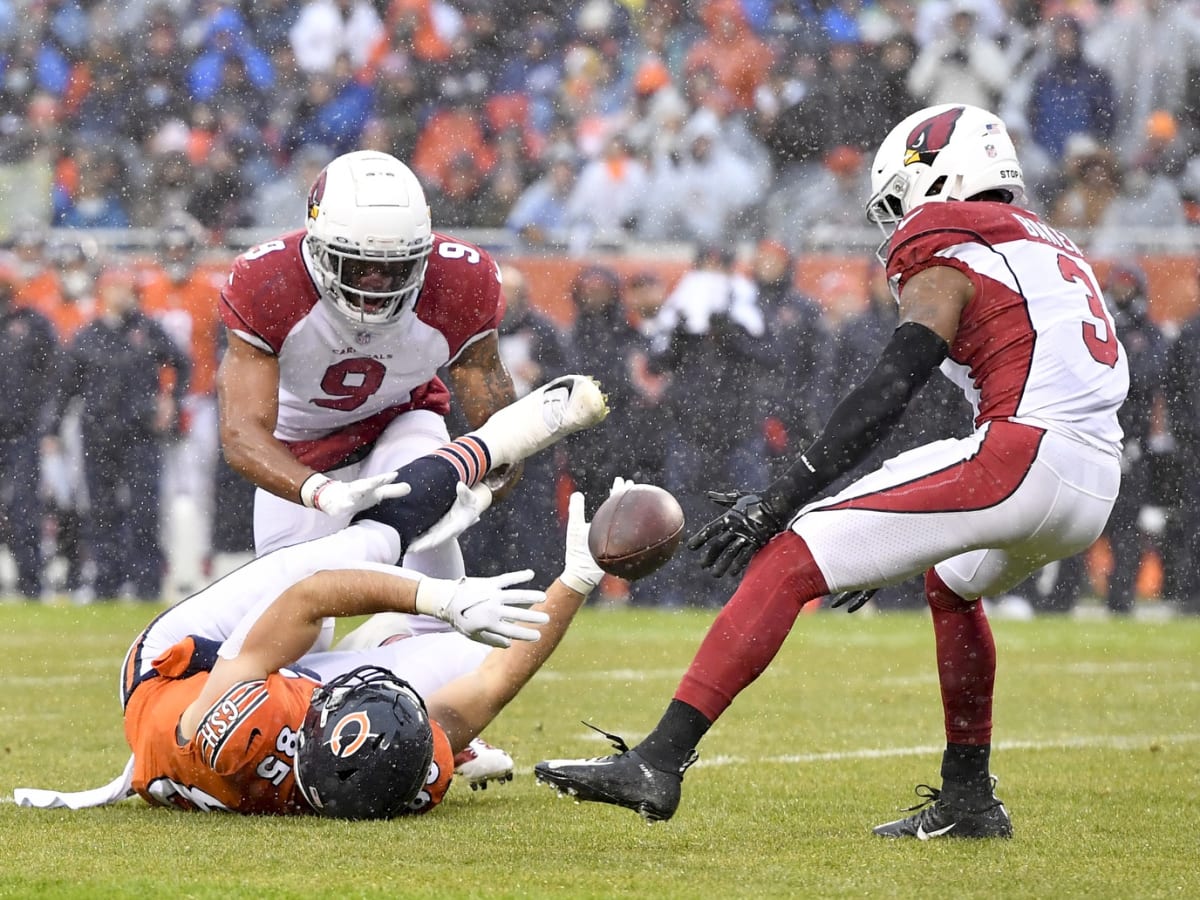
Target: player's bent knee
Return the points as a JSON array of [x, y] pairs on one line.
[[941, 597]]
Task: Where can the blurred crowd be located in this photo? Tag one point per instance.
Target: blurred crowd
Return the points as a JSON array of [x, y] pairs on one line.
[[582, 123], [718, 124], [112, 483]]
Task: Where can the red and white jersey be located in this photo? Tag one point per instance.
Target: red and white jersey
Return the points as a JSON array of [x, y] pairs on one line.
[[342, 383], [1036, 344]]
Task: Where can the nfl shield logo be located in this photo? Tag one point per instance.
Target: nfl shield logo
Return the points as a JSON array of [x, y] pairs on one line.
[[363, 338]]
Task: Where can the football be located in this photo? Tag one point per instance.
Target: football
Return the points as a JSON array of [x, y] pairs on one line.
[[635, 532]]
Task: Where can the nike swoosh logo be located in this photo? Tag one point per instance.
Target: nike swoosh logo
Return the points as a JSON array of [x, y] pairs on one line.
[[924, 835]]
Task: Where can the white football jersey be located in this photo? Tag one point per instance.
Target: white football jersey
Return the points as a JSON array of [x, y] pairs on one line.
[[340, 383], [1036, 344]]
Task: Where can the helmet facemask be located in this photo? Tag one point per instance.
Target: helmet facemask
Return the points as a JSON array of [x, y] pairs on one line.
[[886, 209], [371, 287]]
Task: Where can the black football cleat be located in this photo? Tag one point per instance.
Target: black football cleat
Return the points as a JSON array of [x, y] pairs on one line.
[[954, 811], [622, 779]]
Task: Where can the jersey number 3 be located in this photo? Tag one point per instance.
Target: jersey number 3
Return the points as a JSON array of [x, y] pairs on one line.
[[1103, 347]]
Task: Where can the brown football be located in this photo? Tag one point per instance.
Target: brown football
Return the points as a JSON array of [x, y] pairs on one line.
[[635, 532]]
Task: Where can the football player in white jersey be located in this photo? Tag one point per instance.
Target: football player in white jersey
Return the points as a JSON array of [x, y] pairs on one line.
[[336, 333], [1010, 310]]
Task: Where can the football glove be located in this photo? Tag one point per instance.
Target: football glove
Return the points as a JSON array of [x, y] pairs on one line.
[[853, 600], [469, 505], [345, 498], [730, 540], [487, 610], [580, 572]]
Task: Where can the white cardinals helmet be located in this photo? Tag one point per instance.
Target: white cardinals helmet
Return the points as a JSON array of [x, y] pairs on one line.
[[369, 236], [947, 152]]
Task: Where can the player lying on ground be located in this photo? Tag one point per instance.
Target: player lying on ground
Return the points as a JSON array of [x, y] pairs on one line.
[[232, 702], [1010, 310]]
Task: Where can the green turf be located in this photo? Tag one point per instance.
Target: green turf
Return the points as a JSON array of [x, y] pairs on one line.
[[1098, 749]]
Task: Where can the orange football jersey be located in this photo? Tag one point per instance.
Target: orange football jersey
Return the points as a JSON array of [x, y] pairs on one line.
[[240, 758]]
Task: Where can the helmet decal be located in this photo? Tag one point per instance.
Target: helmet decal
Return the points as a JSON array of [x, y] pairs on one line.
[[930, 137], [365, 747], [342, 744], [316, 194]]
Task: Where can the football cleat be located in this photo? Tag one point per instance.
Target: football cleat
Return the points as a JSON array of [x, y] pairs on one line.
[[623, 779], [480, 763], [956, 811], [558, 408]]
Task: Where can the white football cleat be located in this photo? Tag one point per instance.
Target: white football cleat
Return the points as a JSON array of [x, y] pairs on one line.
[[560, 407], [481, 763]]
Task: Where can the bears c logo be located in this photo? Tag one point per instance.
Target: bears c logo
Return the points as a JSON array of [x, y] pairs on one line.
[[316, 195], [350, 734], [930, 137]]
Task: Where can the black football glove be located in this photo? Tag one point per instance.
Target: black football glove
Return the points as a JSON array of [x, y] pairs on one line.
[[853, 600], [730, 540]]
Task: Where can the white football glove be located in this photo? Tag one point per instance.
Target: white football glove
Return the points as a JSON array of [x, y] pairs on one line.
[[580, 572], [469, 505], [620, 486], [345, 498], [484, 609]]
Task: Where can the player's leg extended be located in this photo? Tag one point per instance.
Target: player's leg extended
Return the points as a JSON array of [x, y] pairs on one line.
[[919, 508], [408, 438]]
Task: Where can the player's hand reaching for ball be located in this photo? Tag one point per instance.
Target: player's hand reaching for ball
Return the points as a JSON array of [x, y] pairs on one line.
[[488, 610], [730, 540], [580, 572]]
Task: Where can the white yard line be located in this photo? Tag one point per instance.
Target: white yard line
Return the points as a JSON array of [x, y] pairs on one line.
[[1078, 742]]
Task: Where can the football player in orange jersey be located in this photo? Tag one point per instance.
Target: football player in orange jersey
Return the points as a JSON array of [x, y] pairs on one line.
[[233, 703]]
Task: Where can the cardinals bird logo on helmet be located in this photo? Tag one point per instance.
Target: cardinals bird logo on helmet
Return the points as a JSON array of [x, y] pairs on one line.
[[942, 153], [931, 137]]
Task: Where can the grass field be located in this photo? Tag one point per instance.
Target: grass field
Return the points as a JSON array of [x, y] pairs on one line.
[[1098, 749]]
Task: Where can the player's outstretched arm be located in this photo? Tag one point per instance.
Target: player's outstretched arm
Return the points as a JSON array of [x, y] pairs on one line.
[[488, 609], [248, 391], [930, 308], [465, 706]]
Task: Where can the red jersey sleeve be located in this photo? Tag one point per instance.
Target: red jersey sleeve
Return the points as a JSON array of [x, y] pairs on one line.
[[269, 290], [932, 228], [462, 297]]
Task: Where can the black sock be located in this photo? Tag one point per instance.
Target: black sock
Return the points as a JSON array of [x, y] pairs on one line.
[[674, 738], [966, 763]]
